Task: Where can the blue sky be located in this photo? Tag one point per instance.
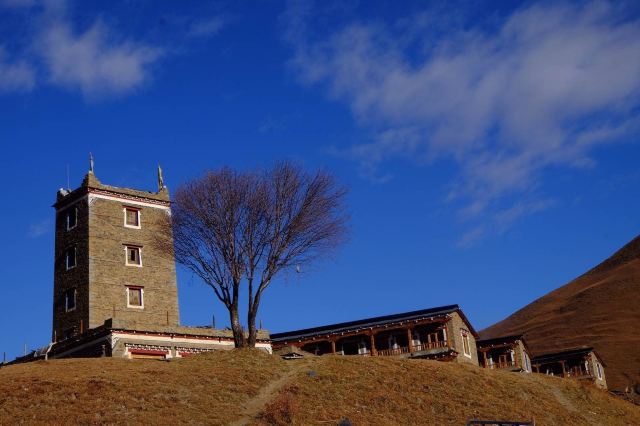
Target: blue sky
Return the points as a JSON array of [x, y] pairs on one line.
[[490, 148]]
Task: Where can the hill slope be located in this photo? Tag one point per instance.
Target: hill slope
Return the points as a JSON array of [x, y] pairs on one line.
[[599, 309], [247, 387]]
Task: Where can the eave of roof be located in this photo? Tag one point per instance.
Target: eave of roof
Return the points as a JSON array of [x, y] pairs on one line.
[[497, 340], [367, 323], [567, 353]]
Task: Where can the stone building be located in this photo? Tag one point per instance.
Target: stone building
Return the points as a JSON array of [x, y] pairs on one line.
[[115, 290], [441, 333], [578, 363], [506, 352]]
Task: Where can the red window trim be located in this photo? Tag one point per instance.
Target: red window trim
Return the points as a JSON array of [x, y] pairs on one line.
[[147, 352]]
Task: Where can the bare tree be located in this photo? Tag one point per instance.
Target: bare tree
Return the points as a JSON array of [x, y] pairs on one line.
[[235, 229]]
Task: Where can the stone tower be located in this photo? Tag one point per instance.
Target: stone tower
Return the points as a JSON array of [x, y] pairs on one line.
[[108, 262]]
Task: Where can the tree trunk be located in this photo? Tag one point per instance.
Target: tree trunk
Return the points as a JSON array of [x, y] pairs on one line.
[[251, 320], [236, 327]]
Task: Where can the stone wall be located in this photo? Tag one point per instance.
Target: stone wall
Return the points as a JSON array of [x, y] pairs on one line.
[[454, 335], [593, 362], [109, 275], [520, 352], [77, 277]]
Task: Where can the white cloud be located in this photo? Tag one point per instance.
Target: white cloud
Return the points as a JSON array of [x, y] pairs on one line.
[[542, 89], [207, 27], [471, 237], [93, 63], [15, 76], [39, 229]]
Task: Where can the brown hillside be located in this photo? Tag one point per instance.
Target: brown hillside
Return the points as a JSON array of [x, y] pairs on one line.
[[248, 387], [600, 309]]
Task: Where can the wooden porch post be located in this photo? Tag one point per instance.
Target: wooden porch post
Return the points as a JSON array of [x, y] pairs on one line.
[[409, 339], [374, 351], [333, 346], [564, 369], [484, 356]]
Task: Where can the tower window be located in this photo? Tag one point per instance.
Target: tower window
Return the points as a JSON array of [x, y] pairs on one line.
[[133, 256], [72, 218], [131, 217], [70, 257], [135, 297], [70, 300]]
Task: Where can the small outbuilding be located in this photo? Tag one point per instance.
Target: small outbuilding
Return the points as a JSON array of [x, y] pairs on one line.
[[505, 352], [578, 363]]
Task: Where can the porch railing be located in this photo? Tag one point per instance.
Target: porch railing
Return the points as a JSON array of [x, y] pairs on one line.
[[428, 346], [393, 351], [416, 348], [497, 365]]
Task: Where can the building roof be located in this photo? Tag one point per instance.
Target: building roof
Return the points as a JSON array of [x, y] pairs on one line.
[[369, 323], [499, 340], [91, 183], [502, 340], [565, 354]]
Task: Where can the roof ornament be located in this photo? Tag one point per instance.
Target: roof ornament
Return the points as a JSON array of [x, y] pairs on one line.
[[160, 179], [90, 163]]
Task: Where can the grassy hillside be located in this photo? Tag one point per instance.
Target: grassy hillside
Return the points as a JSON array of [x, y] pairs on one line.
[[598, 309], [249, 387]]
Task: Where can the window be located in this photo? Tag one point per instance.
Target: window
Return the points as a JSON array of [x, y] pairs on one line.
[[362, 347], [135, 297], [70, 257], [131, 217], [465, 343], [599, 370], [72, 218], [133, 256], [70, 300]]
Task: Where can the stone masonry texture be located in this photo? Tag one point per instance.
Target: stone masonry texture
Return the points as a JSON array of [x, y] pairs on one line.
[[101, 276]]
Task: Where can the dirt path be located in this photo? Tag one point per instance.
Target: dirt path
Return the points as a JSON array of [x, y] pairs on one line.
[[255, 405], [566, 403]]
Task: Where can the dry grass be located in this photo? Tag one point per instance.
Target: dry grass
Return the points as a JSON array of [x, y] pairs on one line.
[[204, 389], [379, 391], [213, 389]]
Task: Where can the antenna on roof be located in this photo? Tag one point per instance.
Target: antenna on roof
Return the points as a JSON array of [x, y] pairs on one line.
[[160, 179]]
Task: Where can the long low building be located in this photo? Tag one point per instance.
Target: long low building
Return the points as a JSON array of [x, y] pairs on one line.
[[118, 338], [442, 333]]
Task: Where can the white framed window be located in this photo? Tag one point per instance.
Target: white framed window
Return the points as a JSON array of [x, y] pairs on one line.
[[466, 348], [70, 258], [599, 370], [362, 347], [72, 218], [133, 256], [70, 300], [135, 297], [131, 217], [393, 342]]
